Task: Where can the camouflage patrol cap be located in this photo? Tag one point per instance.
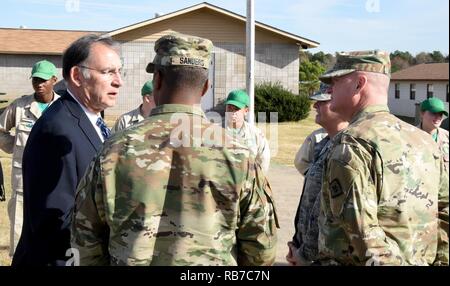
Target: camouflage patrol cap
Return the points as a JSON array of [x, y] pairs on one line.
[[366, 61], [181, 50], [322, 94]]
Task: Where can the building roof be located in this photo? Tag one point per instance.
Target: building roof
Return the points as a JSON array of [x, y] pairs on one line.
[[303, 42], [54, 42], [33, 41], [430, 72]]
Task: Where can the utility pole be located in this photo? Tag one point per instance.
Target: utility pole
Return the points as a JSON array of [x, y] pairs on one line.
[[250, 58]]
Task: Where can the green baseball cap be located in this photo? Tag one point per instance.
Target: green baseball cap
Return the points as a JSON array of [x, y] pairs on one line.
[[43, 69], [434, 105], [367, 61], [147, 88], [238, 98], [181, 50], [322, 94]]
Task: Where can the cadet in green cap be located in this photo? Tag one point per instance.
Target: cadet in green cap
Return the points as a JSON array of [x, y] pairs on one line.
[[303, 249], [149, 199], [21, 114], [432, 111], [140, 113], [384, 198], [236, 110]]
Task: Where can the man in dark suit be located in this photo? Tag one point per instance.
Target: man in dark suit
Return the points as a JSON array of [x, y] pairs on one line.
[[60, 147]]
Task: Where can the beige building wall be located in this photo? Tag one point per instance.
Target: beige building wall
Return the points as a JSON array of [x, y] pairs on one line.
[[205, 23], [276, 57], [274, 63]]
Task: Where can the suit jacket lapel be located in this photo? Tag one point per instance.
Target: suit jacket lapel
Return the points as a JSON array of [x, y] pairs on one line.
[[83, 121]]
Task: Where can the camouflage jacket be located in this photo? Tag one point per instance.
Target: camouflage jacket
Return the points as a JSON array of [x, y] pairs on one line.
[[443, 142], [385, 195], [165, 193], [306, 220]]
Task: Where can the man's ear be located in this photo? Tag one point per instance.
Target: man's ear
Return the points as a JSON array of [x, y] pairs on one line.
[[54, 80], [157, 80], [362, 82], [75, 75], [205, 87]]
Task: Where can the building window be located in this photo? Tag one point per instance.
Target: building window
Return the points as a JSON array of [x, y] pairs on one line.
[[429, 90], [397, 90], [412, 91]]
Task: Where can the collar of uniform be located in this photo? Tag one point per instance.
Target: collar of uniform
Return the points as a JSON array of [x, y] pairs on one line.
[[369, 110], [178, 108], [136, 115], [320, 134], [32, 104], [322, 146], [33, 99], [233, 130]]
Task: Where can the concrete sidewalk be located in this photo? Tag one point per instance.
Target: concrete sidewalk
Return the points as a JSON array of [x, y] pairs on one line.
[[286, 183]]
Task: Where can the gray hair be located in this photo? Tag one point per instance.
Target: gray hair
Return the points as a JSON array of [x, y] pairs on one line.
[[79, 51]]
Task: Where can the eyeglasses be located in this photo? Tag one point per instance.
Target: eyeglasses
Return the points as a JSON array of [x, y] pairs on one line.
[[107, 73]]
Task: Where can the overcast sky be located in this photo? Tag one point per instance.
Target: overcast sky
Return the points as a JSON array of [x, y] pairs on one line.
[[338, 25]]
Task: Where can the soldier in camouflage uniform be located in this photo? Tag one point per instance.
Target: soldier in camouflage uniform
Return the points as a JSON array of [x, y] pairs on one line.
[[385, 187], [21, 115], [431, 112], [303, 249], [165, 193], [140, 113]]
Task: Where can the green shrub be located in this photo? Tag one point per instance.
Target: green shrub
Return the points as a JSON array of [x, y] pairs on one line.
[[272, 97]]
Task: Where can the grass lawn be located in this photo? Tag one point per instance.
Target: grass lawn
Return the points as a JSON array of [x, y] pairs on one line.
[[290, 136]]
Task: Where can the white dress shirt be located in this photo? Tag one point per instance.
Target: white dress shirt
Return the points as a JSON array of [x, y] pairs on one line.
[[91, 116]]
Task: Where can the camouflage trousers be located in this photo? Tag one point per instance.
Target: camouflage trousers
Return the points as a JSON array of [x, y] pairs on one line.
[[15, 210]]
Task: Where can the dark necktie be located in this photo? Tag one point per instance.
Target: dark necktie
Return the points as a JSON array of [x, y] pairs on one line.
[[103, 128]]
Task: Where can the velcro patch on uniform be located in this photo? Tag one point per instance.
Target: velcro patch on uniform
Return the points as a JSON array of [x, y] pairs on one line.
[[188, 61], [335, 189]]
